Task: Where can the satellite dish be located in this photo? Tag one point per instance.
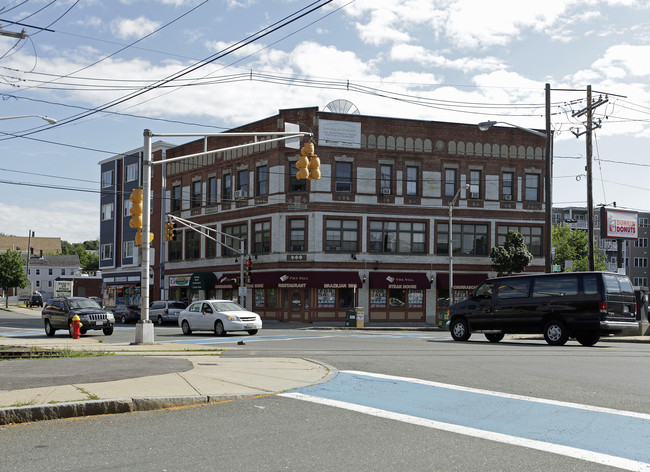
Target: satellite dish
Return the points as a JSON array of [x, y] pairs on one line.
[[342, 106]]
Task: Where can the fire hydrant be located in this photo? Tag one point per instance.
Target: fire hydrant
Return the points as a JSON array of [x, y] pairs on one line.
[[76, 327]]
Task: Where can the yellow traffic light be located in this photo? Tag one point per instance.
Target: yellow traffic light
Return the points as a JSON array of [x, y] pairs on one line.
[[136, 208], [170, 231], [138, 238], [309, 164], [314, 168], [302, 165]]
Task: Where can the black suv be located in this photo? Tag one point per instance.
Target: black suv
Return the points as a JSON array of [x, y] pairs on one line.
[[35, 300], [58, 313], [584, 305]]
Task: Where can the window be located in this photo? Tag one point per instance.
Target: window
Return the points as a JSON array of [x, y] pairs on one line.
[[195, 201], [242, 182], [532, 237], [227, 188], [107, 211], [343, 179], [474, 184], [412, 181], [640, 281], [129, 248], [49, 272], [468, 239], [641, 242], [212, 191], [262, 237], [176, 198], [107, 251], [514, 288], [131, 172], [265, 298], [192, 245], [38, 271], [640, 262], [107, 179], [556, 286], [341, 236], [385, 179], [297, 235], [210, 246], [176, 248], [507, 186], [128, 204], [62, 271], [532, 188], [397, 236], [238, 231], [590, 284], [262, 180], [643, 222], [450, 183]]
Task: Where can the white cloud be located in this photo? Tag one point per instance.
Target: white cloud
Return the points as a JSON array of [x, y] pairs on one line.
[[624, 60], [126, 28]]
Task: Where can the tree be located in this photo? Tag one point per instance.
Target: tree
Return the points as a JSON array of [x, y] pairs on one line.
[[88, 257], [572, 245], [12, 272], [512, 257]]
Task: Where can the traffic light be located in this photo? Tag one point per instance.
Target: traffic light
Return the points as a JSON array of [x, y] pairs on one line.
[[248, 271], [138, 238], [314, 168], [309, 164], [136, 208], [170, 231], [302, 165]]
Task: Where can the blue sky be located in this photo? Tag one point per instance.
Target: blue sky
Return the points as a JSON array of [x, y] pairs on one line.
[[463, 61]]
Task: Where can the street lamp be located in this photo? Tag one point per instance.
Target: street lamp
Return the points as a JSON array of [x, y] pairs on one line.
[[51, 121], [451, 244], [548, 183]]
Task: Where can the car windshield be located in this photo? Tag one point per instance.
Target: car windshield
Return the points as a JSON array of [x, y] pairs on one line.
[[227, 306], [83, 303]]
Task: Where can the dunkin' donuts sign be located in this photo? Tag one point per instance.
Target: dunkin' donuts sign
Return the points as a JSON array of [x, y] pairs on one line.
[[616, 224]]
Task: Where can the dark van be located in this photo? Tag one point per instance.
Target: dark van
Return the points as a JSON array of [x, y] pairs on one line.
[[583, 305]]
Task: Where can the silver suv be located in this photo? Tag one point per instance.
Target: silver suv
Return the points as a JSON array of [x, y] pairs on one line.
[[166, 311]]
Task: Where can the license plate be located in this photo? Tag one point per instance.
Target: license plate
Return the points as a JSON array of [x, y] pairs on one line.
[[99, 322], [249, 327]]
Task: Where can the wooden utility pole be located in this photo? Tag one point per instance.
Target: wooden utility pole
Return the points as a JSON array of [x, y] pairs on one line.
[[590, 196]]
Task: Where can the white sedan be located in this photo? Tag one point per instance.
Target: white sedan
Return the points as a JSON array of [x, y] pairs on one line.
[[219, 316]]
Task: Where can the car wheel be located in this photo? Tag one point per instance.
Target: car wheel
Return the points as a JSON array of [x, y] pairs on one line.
[[185, 326], [48, 328], [123, 319], [494, 337], [83, 331], [160, 320], [555, 333], [460, 330], [252, 332], [219, 329], [588, 339], [108, 331]]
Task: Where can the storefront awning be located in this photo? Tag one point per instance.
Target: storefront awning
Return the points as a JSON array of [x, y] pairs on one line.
[[461, 281], [306, 279], [202, 280], [401, 280], [226, 281]]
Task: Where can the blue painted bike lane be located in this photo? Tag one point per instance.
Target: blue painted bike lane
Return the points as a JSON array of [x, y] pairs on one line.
[[572, 427]]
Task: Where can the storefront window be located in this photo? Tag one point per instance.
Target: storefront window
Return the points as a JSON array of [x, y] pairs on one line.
[[326, 298], [346, 298], [397, 298], [416, 298], [378, 298], [265, 298]]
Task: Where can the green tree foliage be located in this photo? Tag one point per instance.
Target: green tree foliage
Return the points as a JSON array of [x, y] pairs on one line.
[[12, 272], [572, 245], [512, 257], [87, 252]]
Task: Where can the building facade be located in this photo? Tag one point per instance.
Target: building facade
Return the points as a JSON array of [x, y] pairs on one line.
[[373, 232], [44, 270]]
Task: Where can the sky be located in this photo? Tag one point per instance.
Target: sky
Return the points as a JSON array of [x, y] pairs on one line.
[[107, 70]]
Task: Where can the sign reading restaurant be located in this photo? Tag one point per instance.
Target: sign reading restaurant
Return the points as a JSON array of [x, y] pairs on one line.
[[618, 224]]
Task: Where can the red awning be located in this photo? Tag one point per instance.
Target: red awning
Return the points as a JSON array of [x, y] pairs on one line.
[[403, 280], [226, 281], [306, 279], [461, 281]]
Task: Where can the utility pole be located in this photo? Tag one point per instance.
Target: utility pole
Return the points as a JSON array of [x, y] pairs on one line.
[[548, 186], [590, 196]]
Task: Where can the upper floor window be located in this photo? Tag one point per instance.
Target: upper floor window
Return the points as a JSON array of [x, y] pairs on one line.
[[507, 185], [385, 179], [532, 188], [474, 184], [262, 237], [107, 211], [129, 247], [343, 177], [412, 181], [226, 196], [242, 182], [397, 236], [238, 231], [176, 198], [643, 222], [450, 183], [532, 237], [297, 235], [192, 245], [262, 180], [212, 191], [106, 251], [131, 172], [341, 235], [195, 201], [641, 242], [107, 178], [640, 262], [468, 239], [176, 248], [62, 271]]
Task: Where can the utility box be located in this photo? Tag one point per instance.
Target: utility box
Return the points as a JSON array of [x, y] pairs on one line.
[[361, 316], [350, 318]]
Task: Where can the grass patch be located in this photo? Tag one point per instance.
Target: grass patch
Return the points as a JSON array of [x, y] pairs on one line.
[[34, 352]]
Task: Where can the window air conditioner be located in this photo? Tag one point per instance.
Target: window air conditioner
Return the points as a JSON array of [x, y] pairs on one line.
[[385, 191], [507, 197], [473, 195], [239, 194]]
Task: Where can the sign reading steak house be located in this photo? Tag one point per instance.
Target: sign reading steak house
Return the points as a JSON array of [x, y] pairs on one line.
[[617, 224]]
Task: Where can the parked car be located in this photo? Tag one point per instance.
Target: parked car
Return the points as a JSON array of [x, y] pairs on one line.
[[35, 300], [58, 312], [166, 311], [126, 313], [584, 305], [99, 300], [219, 316]]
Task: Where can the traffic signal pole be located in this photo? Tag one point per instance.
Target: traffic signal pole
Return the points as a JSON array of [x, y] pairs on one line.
[[144, 327]]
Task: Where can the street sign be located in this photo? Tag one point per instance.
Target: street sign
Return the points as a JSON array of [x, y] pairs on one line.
[[557, 268]]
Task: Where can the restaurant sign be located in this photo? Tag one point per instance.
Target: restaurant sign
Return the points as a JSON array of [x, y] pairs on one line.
[[617, 224]]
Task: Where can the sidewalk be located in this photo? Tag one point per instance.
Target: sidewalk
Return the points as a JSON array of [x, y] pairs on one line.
[[210, 379]]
